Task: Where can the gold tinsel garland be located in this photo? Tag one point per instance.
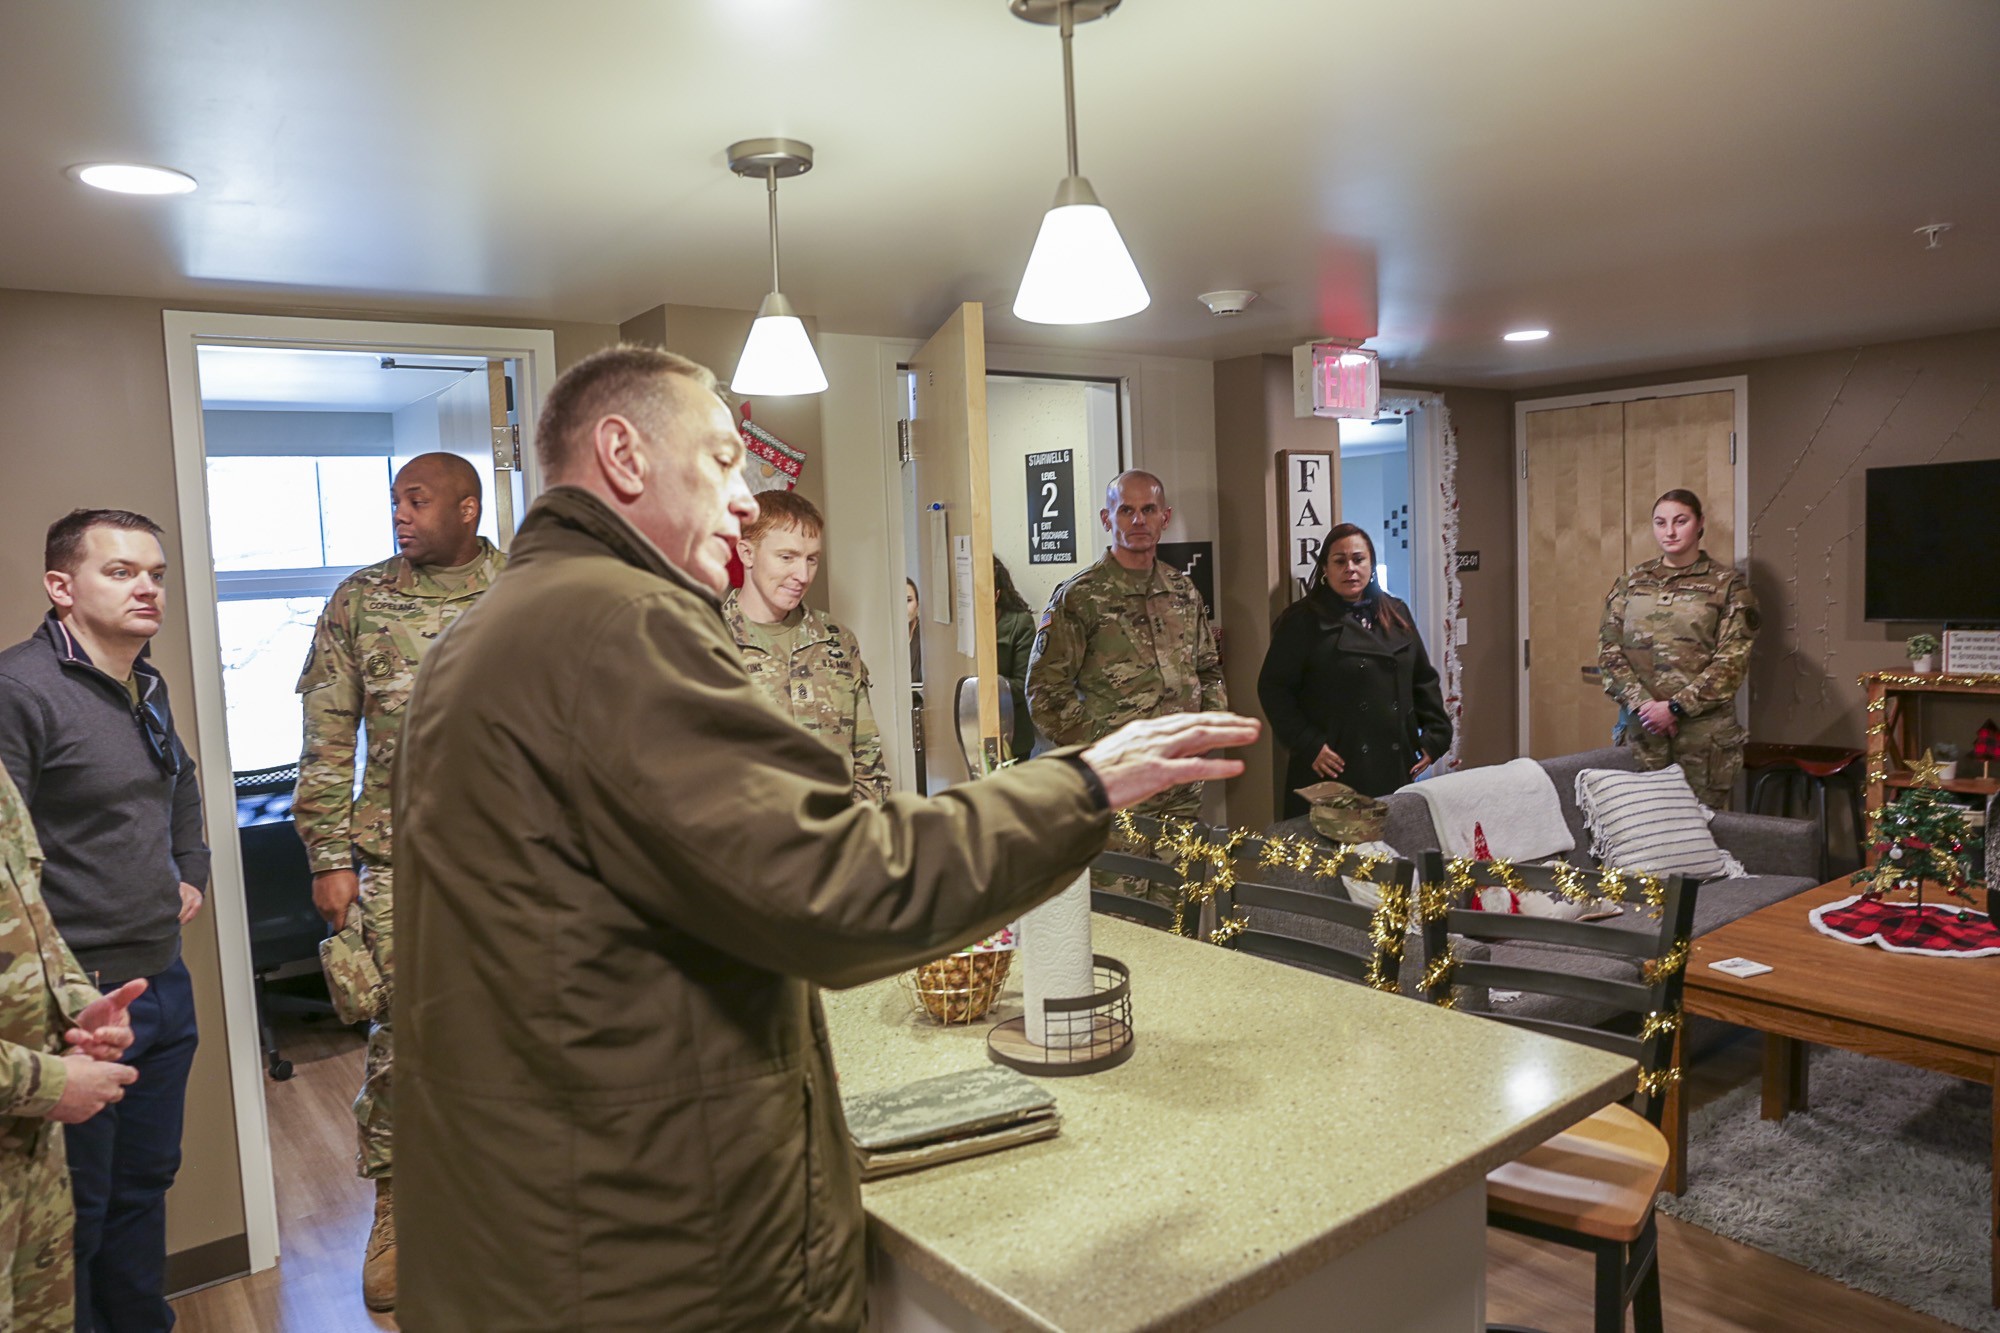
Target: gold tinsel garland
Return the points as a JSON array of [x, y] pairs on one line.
[[1667, 964], [1877, 708], [1899, 680], [1657, 1081], [1180, 846], [1581, 887]]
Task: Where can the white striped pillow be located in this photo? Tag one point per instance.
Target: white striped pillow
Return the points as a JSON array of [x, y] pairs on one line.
[[1650, 821]]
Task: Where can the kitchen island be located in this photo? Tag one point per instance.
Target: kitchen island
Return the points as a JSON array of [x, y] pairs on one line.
[[1283, 1151]]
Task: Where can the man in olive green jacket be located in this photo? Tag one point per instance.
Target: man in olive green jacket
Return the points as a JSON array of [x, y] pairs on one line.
[[623, 874]]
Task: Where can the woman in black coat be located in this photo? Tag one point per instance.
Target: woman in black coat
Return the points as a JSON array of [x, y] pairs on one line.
[[1347, 685]]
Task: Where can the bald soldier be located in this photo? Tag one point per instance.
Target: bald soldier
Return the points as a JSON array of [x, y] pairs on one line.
[[625, 875], [1127, 638], [375, 630]]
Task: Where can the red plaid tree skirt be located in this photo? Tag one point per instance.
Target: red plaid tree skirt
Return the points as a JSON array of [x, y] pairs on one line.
[[1954, 932]]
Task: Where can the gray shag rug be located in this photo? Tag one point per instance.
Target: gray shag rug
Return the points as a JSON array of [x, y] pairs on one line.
[[1884, 1184]]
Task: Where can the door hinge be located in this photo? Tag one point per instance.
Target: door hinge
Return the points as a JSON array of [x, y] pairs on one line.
[[506, 448], [1527, 657], [903, 440], [1732, 448], [1524, 465]]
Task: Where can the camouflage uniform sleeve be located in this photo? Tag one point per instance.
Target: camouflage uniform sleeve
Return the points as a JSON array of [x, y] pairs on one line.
[[73, 989], [31, 1081], [330, 690], [871, 773], [1208, 662], [1714, 687], [1052, 673], [1620, 681]]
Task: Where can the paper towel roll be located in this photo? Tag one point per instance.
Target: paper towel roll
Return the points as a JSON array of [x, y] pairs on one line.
[[1055, 955]]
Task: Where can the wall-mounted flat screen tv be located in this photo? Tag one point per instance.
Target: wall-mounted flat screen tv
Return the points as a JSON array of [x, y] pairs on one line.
[[1934, 542]]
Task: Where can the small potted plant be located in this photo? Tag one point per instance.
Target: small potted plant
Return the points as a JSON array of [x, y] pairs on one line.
[[1922, 649]]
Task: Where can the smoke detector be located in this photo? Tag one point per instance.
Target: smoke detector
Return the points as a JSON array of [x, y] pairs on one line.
[[1226, 305]]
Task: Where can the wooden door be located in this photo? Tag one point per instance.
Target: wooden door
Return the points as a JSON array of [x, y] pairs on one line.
[[955, 540], [1681, 442], [1576, 549]]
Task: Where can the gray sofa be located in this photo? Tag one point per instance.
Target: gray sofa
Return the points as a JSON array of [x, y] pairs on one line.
[[1782, 856]]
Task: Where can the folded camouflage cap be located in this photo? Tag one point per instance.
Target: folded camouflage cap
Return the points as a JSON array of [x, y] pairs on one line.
[[353, 982], [1343, 814]]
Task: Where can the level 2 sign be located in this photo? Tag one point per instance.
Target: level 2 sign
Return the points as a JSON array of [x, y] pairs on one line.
[[1052, 507]]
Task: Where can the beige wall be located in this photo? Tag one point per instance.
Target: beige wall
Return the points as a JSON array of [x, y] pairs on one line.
[[1254, 421], [1484, 422], [1817, 422], [84, 379]]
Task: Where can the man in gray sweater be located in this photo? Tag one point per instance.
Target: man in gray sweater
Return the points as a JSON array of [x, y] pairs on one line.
[[88, 737]]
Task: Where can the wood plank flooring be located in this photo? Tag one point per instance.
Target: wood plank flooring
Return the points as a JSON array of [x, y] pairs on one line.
[[324, 1209], [1711, 1284]]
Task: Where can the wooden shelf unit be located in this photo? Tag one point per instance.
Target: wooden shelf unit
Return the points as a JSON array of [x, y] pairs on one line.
[[1892, 725]]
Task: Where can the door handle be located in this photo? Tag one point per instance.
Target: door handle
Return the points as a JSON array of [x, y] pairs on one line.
[[1594, 673]]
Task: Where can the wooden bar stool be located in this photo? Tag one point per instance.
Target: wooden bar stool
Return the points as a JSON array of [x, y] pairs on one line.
[[1817, 765]]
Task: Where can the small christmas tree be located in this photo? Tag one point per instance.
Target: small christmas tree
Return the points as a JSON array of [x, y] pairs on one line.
[[1986, 747], [1921, 838]]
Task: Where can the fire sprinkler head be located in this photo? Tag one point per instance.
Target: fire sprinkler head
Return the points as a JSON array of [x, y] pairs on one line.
[[1226, 304]]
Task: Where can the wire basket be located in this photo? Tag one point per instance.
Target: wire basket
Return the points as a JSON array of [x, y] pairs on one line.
[[959, 988], [1086, 1034]]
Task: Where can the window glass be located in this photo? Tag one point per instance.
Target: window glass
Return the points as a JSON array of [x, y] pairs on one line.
[[355, 510], [264, 513], [264, 645]]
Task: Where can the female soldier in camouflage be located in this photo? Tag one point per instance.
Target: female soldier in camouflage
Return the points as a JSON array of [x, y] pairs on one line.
[[1673, 646]]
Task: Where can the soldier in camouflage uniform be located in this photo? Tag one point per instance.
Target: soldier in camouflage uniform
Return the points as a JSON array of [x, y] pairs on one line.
[[371, 637], [807, 665], [45, 1004], [1673, 647], [1127, 638]]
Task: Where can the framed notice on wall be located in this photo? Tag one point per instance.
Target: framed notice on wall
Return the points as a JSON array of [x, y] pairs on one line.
[[1305, 511], [1972, 652]]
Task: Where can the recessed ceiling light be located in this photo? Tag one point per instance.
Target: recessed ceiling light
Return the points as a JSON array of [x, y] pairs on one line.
[[1525, 335], [129, 178]]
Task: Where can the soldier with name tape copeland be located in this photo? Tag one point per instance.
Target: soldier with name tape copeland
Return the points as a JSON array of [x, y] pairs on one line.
[[373, 634], [1673, 647], [1125, 639]]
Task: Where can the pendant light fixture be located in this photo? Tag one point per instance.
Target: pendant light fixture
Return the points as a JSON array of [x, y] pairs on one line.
[[777, 357], [1080, 271]]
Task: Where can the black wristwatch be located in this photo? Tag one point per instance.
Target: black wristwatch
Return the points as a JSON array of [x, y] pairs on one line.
[[1674, 707]]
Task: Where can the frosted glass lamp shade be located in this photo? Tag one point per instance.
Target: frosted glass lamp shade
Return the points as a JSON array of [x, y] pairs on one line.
[[1080, 271], [778, 357]]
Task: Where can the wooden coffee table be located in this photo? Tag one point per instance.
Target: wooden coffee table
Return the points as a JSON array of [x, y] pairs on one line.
[[1934, 1013]]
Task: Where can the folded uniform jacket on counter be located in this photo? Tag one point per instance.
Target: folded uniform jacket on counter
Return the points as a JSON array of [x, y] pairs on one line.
[[947, 1117]]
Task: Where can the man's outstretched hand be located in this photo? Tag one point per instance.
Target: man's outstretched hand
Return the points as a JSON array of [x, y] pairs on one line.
[[104, 1029], [1146, 757]]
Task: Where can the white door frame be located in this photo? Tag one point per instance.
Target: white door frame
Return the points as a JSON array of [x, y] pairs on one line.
[[535, 352], [1424, 417], [1737, 384], [890, 356]]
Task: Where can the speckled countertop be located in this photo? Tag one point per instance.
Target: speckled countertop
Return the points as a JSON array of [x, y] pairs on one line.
[[1270, 1121]]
